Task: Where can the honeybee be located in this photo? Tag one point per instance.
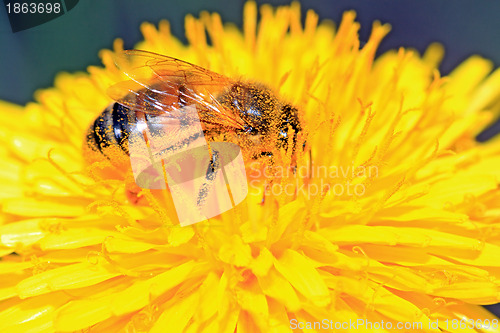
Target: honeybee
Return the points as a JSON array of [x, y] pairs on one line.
[[246, 113]]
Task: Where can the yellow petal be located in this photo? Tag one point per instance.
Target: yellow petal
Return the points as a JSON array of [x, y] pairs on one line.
[[479, 314], [176, 316], [246, 323], [35, 208], [476, 292], [235, 252], [251, 299], [454, 190], [303, 276], [66, 277], [78, 315], [180, 235], [468, 74], [140, 293], [411, 213], [22, 233], [358, 234], [82, 313], [228, 313], [121, 245], [208, 298], [32, 315], [75, 238], [276, 286], [278, 318], [264, 261], [379, 299]]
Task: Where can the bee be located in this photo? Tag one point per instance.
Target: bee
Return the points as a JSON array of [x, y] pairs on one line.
[[246, 113]]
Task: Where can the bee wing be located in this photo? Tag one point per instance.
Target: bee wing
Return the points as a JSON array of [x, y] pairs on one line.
[[160, 85]]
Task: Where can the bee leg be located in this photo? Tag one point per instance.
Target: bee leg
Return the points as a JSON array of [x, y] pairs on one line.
[[212, 170]]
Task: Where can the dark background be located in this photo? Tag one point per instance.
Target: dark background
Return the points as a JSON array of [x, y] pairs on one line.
[[30, 59]]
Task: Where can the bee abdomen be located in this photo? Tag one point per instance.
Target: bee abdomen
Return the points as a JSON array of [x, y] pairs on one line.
[[108, 135]]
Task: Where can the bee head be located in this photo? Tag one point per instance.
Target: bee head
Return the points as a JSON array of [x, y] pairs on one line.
[[263, 114]]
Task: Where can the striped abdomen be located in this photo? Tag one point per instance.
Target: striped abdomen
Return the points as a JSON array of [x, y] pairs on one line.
[[108, 135]]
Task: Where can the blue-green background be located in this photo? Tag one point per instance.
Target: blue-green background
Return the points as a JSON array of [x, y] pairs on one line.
[[29, 59]]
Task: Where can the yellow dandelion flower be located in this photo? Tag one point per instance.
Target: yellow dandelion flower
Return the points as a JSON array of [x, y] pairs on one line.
[[393, 218]]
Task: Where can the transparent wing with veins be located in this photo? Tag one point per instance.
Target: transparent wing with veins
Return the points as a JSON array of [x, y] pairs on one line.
[[171, 98], [161, 85]]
